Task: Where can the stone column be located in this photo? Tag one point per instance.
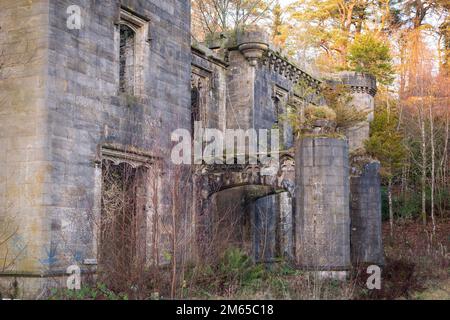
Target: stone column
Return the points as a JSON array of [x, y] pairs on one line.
[[365, 213], [322, 222], [285, 226]]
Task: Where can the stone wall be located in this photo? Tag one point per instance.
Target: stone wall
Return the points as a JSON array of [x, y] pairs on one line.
[[272, 228], [67, 107], [240, 96], [24, 166]]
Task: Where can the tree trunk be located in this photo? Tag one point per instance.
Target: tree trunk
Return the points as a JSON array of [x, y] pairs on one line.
[[433, 161], [391, 212], [444, 164], [174, 257], [424, 164]]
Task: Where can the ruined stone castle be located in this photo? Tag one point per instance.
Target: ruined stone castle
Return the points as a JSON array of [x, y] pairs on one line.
[[80, 107]]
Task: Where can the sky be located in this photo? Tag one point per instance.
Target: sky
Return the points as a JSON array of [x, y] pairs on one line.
[[286, 2]]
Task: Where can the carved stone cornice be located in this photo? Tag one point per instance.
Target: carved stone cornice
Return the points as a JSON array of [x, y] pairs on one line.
[[134, 158], [278, 175], [359, 89], [359, 82], [288, 69]]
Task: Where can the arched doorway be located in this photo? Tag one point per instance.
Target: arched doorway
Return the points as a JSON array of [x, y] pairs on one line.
[[242, 208], [254, 218]]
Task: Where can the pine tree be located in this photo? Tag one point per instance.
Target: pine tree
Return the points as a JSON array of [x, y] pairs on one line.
[[386, 145], [371, 55], [279, 33]]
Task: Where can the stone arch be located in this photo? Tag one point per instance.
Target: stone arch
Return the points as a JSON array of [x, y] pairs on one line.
[[250, 185], [216, 178]]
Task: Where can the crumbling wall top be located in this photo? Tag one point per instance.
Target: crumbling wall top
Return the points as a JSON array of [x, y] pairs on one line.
[[203, 52]]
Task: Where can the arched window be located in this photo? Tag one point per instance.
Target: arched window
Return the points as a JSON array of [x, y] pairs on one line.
[[127, 59], [277, 109], [195, 104]]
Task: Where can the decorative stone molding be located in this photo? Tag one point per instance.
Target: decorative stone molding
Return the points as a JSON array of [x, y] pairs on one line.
[[221, 176], [295, 101], [280, 98], [288, 70], [134, 21], [253, 43], [253, 51], [359, 82], [202, 82], [140, 25], [133, 158], [280, 93], [358, 89], [201, 78]]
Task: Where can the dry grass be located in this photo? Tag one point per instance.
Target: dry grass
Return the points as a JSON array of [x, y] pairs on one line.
[[416, 261], [417, 267]]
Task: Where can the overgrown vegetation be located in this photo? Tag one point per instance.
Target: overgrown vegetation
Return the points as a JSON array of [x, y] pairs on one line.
[[371, 55], [98, 292], [332, 109], [237, 277], [417, 261], [339, 99], [417, 266]]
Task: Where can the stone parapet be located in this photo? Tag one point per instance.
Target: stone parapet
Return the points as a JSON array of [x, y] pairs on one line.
[[359, 82]]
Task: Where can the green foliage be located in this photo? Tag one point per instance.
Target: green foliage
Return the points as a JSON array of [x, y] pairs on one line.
[[313, 113], [338, 109], [301, 122], [402, 207], [339, 99], [409, 205], [277, 20], [323, 27], [98, 292], [238, 276], [239, 268], [370, 55], [386, 141]]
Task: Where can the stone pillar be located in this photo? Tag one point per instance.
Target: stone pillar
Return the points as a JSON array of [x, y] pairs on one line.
[[322, 222], [365, 213], [285, 229]]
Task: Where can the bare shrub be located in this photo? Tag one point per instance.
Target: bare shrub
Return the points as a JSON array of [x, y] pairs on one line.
[[9, 254]]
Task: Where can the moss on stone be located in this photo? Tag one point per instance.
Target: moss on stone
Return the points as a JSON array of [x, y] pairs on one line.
[[333, 135]]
